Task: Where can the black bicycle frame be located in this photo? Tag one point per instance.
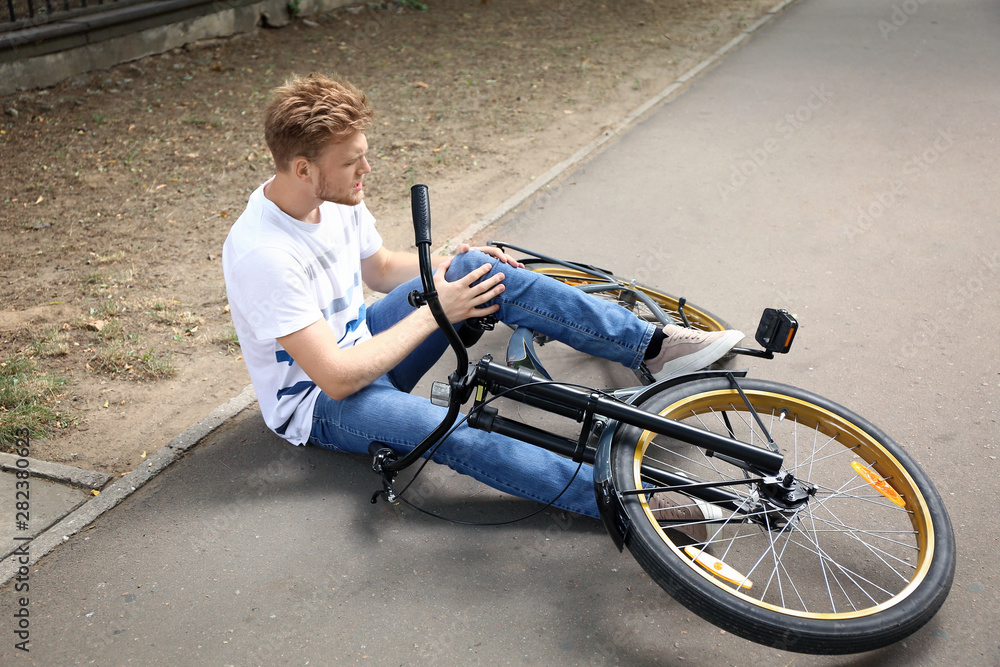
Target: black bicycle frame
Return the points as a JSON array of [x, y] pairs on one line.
[[584, 405]]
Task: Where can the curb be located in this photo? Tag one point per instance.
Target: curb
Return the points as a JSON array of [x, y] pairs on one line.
[[594, 147], [125, 486], [83, 516], [57, 472]]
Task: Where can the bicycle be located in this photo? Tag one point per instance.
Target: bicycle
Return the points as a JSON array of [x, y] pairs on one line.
[[811, 530]]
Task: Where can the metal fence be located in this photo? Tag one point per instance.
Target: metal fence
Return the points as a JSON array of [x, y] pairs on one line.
[[19, 14]]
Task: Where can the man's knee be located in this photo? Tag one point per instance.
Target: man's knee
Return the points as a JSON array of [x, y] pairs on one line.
[[469, 261]]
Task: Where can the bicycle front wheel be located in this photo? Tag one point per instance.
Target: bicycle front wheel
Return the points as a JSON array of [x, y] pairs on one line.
[[861, 558], [632, 296]]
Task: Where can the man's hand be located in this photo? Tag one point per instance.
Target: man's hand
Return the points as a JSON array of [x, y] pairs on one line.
[[461, 299], [492, 251]]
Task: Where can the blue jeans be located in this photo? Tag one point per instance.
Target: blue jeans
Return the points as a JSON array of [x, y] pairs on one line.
[[386, 412]]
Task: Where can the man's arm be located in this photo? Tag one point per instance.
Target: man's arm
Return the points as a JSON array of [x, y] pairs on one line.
[[386, 270], [340, 373]]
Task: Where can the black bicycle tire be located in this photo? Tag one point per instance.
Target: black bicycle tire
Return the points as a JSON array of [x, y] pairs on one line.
[[700, 318], [657, 552]]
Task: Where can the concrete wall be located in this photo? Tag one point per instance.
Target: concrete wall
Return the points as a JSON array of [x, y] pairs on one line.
[[45, 55]]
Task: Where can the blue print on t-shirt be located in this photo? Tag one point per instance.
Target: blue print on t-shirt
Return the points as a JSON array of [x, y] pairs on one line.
[[341, 303], [296, 388], [353, 325]]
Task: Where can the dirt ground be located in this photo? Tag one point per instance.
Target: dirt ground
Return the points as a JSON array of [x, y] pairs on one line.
[[119, 187]]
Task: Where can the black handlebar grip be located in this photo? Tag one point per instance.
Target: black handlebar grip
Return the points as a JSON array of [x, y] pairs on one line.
[[420, 206]]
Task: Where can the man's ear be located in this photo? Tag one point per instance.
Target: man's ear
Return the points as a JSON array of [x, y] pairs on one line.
[[302, 169]]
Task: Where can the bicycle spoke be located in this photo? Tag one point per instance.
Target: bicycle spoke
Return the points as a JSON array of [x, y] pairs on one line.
[[882, 554]]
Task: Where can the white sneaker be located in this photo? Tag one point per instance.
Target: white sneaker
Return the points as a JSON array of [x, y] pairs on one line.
[[686, 350]]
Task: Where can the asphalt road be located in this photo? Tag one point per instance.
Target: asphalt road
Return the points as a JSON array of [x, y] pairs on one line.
[[841, 164]]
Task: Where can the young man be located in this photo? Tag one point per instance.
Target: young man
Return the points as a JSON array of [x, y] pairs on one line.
[[332, 372]]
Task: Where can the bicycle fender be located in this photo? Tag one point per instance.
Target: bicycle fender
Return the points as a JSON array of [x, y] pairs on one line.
[[609, 501], [666, 383]]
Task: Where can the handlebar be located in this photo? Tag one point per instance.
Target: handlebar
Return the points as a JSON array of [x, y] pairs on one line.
[[421, 212], [420, 207]]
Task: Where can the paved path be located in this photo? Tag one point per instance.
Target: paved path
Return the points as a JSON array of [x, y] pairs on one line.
[[841, 164]]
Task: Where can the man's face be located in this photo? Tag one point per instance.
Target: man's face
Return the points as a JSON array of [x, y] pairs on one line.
[[340, 168]]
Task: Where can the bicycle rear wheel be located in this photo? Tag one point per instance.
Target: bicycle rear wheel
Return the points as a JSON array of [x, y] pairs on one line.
[[863, 558], [627, 295]]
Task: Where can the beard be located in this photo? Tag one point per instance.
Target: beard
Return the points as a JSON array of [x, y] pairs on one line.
[[329, 193]]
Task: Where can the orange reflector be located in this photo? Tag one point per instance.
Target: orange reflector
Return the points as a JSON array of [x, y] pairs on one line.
[[717, 567], [878, 483], [791, 334]]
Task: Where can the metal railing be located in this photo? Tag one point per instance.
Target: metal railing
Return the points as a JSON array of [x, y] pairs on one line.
[[20, 14]]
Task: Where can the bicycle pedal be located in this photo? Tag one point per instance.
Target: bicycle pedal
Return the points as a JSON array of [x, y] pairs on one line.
[[776, 330]]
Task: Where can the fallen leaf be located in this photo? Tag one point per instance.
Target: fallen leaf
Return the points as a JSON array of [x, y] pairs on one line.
[[421, 84]]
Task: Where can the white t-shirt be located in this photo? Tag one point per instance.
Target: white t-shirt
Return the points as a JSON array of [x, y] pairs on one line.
[[282, 275]]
